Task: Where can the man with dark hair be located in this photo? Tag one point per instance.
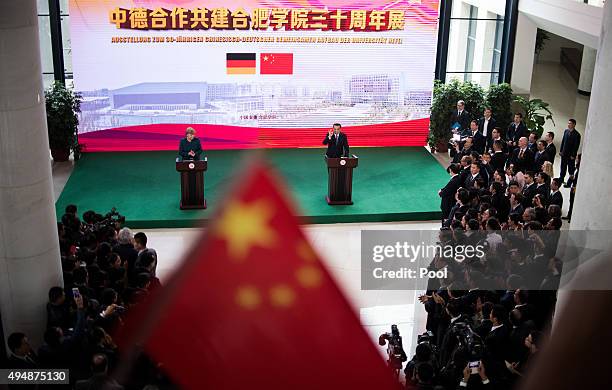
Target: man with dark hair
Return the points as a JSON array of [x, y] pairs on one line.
[[540, 155], [532, 142], [474, 174], [529, 189], [542, 187], [21, 353], [140, 244], [516, 204], [58, 312], [555, 197], [551, 149], [447, 194], [496, 135], [463, 199], [516, 131], [498, 157], [568, 152], [100, 378], [573, 189], [486, 124], [337, 142], [479, 140]]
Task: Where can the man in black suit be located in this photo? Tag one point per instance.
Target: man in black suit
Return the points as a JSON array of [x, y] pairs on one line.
[[460, 117], [474, 174], [522, 157], [486, 124], [555, 195], [569, 150], [533, 142], [449, 191], [498, 157], [496, 342], [516, 131], [22, 356], [466, 150], [337, 142], [540, 156], [542, 187], [478, 140], [551, 149], [496, 136], [529, 189]]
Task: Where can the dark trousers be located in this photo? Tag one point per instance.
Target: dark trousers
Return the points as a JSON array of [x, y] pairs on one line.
[[571, 208], [567, 165]]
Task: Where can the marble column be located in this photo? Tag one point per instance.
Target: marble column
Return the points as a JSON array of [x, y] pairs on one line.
[[29, 249]]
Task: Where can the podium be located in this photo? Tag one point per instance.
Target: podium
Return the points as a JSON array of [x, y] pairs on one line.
[[340, 181], [192, 183]]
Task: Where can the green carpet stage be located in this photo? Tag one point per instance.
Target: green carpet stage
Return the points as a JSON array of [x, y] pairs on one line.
[[390, 184]]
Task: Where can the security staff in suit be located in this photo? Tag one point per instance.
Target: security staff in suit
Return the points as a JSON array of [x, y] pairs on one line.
[[533, 142], [337, 142], [498, 157], [447, 194], [461, 117], [540, 156], [569, 150], [478, 140], [496, 136], [486, 124], [551, 149], [529, 189], [516, 131], [555, 196]]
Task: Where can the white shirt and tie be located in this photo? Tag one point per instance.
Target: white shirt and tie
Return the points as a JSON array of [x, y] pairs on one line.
[[485, 127]]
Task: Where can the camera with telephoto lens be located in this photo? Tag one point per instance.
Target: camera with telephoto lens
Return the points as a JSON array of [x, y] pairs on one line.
[[94, 222], [395, 349]]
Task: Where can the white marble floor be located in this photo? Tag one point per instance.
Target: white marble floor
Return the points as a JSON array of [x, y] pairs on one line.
[[339, 244]]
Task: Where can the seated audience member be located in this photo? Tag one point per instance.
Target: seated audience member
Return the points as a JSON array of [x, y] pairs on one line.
[[21, 354]]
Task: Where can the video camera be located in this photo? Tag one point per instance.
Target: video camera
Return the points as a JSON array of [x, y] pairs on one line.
[[395, 349]]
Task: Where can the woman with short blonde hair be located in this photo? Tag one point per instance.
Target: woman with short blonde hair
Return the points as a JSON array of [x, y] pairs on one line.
[[190, 147]]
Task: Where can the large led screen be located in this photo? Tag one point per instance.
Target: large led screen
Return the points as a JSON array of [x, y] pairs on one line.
[[252, 73]]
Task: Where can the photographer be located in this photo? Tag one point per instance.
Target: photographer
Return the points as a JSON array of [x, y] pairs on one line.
[[424, 355], [395, 349]]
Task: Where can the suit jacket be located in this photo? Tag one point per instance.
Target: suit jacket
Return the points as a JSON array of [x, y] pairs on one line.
[[463, 119], [538, 160], [479, 141], [337, 146], [522, 163], [556, 198], [498, 160], [551, 152], [529, 191], [490, 126], [490, 145], [517, 210], [544, 191], [469, 180], [570, 143], [448, 195], [514, 132]]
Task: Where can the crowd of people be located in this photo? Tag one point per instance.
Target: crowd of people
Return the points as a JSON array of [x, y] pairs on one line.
[[486, 321], [106, 270]]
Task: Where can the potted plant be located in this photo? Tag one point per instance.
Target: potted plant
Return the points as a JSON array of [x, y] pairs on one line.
[[536, 114], [500, 98], [445, 98], [62, 106]]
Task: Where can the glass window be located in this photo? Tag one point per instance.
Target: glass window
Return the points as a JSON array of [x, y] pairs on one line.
[[475, 40]]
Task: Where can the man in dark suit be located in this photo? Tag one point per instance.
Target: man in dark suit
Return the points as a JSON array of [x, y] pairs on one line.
[[555, 195], [474, 174], [569, 150], [516, 131], [522, 157], [478, 140], [529, 189], [337, 142], [533, 142], [496, 342], [542, 186], [486, 124], [498, 157], [496, 136], [466, 150], [100, 378], [460, 117], [449, 191], [540, 156], [551, 149], [22, 356]]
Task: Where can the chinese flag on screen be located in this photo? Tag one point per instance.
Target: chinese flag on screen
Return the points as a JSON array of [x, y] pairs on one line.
[[252, 307], [276, 63]]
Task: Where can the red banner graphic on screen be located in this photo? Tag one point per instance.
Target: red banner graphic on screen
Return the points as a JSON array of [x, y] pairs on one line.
[[214, 137]]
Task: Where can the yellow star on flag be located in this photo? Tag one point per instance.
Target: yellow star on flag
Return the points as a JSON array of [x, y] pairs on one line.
[[244, 225]]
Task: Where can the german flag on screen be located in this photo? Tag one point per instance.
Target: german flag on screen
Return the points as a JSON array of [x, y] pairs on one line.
[[241, 63]]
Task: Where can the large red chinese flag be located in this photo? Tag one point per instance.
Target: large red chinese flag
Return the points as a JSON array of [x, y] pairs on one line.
[[254, 308], [276, 63]]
